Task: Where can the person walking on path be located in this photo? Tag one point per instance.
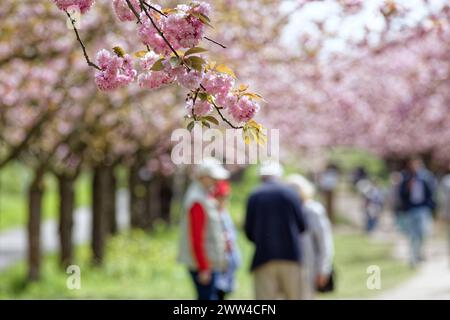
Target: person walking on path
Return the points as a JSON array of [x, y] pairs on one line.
[[373, 203], [317, 242], [274, 221], [417, 192], [394, 201], [328, 183], [202, 242], [445, 212], [226, 279]]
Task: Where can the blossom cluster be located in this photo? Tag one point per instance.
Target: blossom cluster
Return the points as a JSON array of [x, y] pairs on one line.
[[83, 5], [115, 71], [216, 84], [123, 11], [166, 32], [182, 27]]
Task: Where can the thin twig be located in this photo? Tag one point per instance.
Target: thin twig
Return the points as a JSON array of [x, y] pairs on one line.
[[225, 119], [158, 30], [137, 17], [215, 42], [89, 62], [193, 104], [133, 10], [155, 9]]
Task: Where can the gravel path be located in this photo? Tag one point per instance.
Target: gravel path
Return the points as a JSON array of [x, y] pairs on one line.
[[13, 243]]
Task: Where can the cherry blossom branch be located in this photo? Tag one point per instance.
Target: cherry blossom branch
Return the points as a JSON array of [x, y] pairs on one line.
[[154, 9], [165, 15], [157, 28], [193, 104], [223, 117], [83, 47], [133, 10], [145, 7]]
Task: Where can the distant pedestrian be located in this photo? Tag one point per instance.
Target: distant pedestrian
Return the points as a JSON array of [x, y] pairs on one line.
[[445, 212], [373, 202], [394, 201], [417, 194], [317, 242], [226, 280], [274, 222], [328, 182], [202, 242], [359, 174]]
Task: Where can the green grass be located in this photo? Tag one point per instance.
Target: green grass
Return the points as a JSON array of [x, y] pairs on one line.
[[142, 266], [354, 254], [348, 159], [14, 180]]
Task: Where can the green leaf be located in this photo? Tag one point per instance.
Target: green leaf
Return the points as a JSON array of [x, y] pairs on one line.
[[203, 96], [204, 19], [140, 54], [206, 124], [243, 87], [191, 125], [253, 96], [119, 51], [224, 69], [196, 63], [158, 65], [194, 51], [246, 136], [212, 120]]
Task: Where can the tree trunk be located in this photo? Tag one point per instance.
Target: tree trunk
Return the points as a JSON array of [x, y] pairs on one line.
[[35, 193], [111, 202], [153, 201], [66, 209], [136, 197], [100, 198], [166, 195]]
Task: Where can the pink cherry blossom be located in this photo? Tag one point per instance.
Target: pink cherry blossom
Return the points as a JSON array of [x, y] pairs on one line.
[[115, 71], [243, 110], [123, 12], [201, 108], [190, 79], [83, 5], [150, 36], [148, 60], [218, 84], [201, 7], [181, 28], [154, 79]]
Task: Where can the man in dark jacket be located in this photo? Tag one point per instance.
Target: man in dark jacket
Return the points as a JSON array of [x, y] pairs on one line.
[[417, 196], [273, 223]]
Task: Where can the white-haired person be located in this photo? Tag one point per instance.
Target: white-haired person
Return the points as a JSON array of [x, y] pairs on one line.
[[317, 242], [202, 242], [274, 222]]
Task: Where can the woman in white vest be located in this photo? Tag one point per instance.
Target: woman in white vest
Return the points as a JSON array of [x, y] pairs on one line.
[[202, 242]]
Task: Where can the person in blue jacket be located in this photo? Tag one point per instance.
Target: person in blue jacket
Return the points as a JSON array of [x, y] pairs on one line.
[[417, 196], [274, 222]]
